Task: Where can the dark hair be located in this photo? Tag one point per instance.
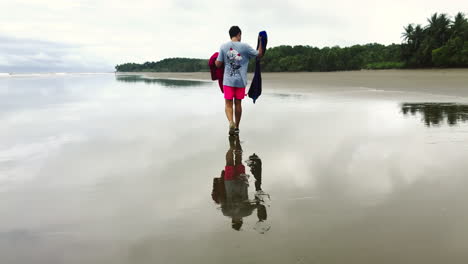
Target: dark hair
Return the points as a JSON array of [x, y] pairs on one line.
[[234, 31]]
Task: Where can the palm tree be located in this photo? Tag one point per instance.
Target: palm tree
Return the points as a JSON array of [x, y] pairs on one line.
[[444, 28], [408, 34], [418, 36], [414, 36], [459, 26], [438, 29], [432, 21]]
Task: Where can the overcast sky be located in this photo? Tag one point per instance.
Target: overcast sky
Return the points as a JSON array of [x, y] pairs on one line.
[[94, 35]]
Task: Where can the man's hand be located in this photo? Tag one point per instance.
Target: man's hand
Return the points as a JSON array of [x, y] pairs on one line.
[[218, 64], [260, 47]]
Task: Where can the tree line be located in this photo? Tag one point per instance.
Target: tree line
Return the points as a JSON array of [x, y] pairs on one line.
[[166, 65], [443, 42]]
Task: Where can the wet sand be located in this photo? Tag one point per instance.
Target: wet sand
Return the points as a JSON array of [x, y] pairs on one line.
[[124, 169], [453, 82]]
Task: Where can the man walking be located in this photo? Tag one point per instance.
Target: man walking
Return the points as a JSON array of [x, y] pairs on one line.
[[235, 56]]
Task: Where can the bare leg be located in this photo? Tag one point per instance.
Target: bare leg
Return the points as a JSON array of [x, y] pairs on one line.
[[238, 110], [230, 153], [229, 110], [237, 152]]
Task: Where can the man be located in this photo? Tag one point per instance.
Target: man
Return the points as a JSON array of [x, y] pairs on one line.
[[235, 56]]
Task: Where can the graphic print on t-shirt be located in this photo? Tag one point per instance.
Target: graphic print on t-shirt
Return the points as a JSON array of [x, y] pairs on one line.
[[234, 60]]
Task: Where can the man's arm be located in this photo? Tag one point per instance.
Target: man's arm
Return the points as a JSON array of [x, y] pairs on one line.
[[220, 60]]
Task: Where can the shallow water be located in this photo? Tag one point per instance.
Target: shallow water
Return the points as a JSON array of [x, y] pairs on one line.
[[99, 169]]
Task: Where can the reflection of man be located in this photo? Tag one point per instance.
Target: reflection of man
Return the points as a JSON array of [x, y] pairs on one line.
[[231, 188]]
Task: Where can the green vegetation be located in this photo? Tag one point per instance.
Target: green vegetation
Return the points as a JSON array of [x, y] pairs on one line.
[[442, 43], [166, 65], [384, 65], [306, 58]]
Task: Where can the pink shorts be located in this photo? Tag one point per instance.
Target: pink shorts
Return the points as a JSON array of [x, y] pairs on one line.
[[233, 92], [232, 172]]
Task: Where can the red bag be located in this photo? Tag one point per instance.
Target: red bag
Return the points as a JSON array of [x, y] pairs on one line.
[[216, 73]]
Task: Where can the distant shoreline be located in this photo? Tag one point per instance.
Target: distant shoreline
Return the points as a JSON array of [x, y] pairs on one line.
[[450, 82]]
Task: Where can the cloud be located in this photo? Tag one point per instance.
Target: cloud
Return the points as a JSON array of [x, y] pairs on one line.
[[29, 55]]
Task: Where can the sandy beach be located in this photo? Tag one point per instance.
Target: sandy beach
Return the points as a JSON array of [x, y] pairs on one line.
[[452, 82]]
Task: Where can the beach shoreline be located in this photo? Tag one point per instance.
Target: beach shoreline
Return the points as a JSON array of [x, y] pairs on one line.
[[449, 82]]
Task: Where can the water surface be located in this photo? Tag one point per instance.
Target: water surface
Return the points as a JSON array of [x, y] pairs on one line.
[[106, 169]]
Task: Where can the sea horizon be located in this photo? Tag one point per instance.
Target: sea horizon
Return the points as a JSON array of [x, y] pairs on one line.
[[19, 74]]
